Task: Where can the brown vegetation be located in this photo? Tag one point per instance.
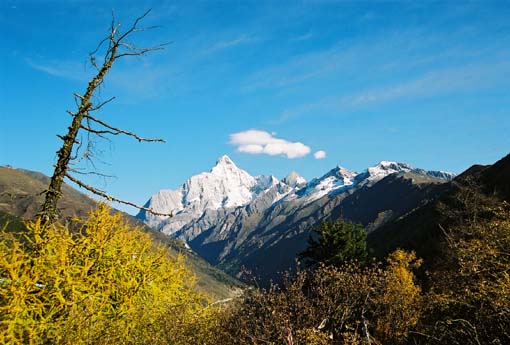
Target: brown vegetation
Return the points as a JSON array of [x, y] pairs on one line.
[[332, 305]]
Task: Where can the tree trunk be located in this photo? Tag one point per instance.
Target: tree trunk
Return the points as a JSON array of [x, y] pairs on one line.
[[49, 212]]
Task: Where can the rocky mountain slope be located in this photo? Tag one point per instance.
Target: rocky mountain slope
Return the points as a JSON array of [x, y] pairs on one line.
[[233, 219], [20, 198]]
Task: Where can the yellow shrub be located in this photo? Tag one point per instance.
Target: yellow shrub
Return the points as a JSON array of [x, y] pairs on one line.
[[106, 283], [401, 299]]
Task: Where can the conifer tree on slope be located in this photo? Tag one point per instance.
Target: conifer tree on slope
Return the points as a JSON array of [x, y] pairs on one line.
[[335, 243]]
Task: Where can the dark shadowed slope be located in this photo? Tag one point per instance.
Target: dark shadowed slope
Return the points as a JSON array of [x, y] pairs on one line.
[[423, 229]]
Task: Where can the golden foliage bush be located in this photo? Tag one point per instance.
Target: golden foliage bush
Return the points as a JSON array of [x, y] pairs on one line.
[[401, 299], [349, 304], [106, 283]]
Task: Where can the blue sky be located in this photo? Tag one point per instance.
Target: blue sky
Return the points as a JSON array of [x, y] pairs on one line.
[[267, 83]]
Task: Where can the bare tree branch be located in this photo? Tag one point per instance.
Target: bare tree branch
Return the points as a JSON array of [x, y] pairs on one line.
[[101, 43], [140, 51], [77, 171], [98, 132], [116, 131], [97, 107], [78, 95], [77, 151], [133, 27], [108, 197]]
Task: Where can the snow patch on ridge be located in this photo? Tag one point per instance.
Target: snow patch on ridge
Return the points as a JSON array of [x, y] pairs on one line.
[[334, 181]]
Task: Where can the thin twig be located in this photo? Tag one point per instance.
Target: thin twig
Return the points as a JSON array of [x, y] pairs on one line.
[[133, 27], [141, 51], [77, 171], [116, 131], [97, 107]]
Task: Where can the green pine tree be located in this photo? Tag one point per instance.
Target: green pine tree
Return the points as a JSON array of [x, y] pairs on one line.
[[335, 243]]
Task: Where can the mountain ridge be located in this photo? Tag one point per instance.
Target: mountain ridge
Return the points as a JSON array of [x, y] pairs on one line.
[[227, 186], [283, 213]]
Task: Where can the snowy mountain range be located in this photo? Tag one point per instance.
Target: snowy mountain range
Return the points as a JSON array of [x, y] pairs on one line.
[[227, 186], [226, 214]]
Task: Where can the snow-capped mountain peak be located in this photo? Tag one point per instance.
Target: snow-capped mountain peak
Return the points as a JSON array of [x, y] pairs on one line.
[[344, 173], [225, 160], [381, 170], [294, 180], [225, 186], [226, 167], [385, 168], [264, 182], [334, 181], [391, 167], [444, 175]]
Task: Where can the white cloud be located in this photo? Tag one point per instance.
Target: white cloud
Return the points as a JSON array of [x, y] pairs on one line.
[[435, 82], [303, 37], [261, 142], [64, 69], [221, 45], [321, 154], [251, 148]]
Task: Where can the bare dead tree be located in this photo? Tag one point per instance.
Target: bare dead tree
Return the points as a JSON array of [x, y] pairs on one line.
[[115, 46]]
